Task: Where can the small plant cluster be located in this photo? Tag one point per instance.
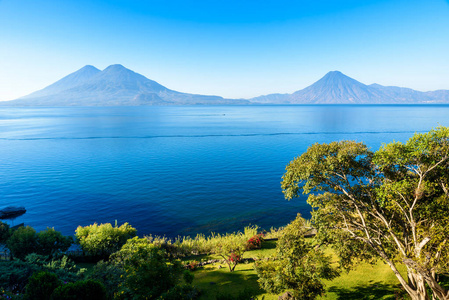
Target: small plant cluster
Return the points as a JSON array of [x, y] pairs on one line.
[[235, 258], [200, 244], [255, 242], [6, 295], [193, 265]]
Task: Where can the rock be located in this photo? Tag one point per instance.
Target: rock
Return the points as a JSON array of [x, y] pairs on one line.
[[286, 296]]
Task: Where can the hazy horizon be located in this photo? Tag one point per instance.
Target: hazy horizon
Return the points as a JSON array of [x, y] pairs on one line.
[[232, 49]]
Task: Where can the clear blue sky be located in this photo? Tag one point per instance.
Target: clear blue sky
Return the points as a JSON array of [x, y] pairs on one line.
[[227, 48]]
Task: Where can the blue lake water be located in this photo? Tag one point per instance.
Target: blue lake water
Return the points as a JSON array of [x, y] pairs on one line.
[[176, 170]]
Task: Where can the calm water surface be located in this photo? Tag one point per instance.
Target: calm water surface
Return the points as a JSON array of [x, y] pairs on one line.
[[176, 170]]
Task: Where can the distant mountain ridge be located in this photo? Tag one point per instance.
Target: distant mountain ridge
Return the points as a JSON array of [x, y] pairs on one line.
[[337, 88], [117, 85]]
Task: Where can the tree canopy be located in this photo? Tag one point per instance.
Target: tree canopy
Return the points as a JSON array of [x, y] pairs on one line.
[[391, 204], [298, 265], [104, 239]]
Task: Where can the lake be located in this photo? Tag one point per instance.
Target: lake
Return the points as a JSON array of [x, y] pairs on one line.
[[177, 170]]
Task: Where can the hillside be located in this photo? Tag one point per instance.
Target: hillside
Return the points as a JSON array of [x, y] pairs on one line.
[[115, 85], [337, 88]]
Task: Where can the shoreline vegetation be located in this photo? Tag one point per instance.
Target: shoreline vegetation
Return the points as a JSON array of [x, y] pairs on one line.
[[201, 256]]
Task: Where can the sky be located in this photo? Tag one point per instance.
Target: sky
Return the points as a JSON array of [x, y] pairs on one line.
[[234, 49]]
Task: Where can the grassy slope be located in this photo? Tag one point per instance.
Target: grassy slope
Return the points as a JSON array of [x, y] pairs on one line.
[[366, 282]]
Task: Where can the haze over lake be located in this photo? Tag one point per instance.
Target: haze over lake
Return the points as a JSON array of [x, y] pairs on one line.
[[177, 170]]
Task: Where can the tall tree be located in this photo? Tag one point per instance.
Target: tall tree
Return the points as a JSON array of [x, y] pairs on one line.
[[298, 265], [390, 205]]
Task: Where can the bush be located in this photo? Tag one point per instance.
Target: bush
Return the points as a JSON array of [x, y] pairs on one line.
[[41, 285], [104, 239], [149, 272], [14, 275], [109, 275], [193, 265], [80, 290], [298, 266], [23, 241], [181, 292], [188, 276], [4, 232], [52, 242], [64, 268], [255, 242]]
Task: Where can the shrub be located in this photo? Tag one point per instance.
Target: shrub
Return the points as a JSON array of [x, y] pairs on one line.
[[149, 272], [181, 292], [104, 239], [80, 290], [255, 242], [4, 232], [14, 275], [188, 276], [192, 265], [298, 266], [41, 285], [109, 275], [23, 241], [52, 242], [64, 268]]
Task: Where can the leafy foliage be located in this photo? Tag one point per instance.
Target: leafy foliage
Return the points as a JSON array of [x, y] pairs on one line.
[[254, 242], [41, 285], [298, 265], [109, 274], [52, 242], [4, 232], [23, 241], [390, 205], [148, 271], [80, 290], [231, 249], [200, 244], [104, 239], [14, 275]]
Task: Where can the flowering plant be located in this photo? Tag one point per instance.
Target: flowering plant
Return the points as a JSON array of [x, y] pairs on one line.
[[234, 257], [192, 265], [255, 242]]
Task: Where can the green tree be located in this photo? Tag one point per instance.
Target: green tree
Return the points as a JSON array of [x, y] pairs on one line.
[[23, 241], [149, 273], [231, 248], [389, 205], [41, 285], [298, 265], [4, 232], [80, 290], [104, 239], [109, 274], [51, 242]]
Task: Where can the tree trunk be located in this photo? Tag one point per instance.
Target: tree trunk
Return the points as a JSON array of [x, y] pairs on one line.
[[438, 291], [417, 282], [415, 286]]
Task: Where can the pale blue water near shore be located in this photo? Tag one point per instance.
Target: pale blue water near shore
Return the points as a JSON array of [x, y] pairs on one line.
[[176, 170]]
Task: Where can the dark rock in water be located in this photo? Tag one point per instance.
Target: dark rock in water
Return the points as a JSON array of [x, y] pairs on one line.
[[12, 212]]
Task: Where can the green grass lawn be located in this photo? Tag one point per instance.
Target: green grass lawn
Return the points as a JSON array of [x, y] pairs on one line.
[[365, 282]]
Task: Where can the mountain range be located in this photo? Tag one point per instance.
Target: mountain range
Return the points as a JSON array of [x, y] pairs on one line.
[[117, 85], [337, 88]]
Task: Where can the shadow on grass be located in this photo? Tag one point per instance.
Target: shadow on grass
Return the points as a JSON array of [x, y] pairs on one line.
[[220, 282], [370, 291], [269, 244]]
